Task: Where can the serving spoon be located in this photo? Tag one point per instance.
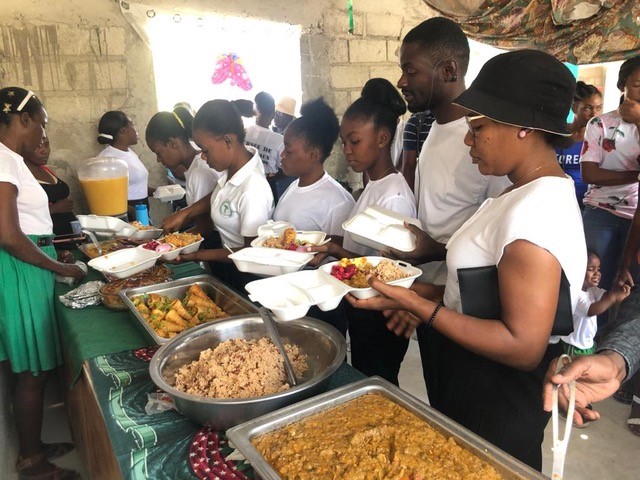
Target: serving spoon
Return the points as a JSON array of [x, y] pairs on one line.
[[94, 240], [275, 337]]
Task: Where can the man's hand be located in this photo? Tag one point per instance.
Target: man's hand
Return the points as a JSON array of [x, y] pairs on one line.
[[597, 377]]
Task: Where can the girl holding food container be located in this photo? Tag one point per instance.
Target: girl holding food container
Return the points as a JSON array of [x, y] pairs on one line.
[[241, 200], [28, 326], [367, 130]]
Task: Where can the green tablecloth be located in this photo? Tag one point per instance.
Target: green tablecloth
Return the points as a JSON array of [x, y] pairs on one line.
[[164, 445], [88, 332]]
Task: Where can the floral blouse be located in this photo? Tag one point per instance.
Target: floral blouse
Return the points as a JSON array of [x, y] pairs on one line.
[[615, 145]]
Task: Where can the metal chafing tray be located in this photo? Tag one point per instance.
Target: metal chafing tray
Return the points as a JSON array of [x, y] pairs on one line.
[[242, 435], [229, 301]]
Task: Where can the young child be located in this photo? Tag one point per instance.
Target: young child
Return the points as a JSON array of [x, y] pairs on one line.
[[592, 302]]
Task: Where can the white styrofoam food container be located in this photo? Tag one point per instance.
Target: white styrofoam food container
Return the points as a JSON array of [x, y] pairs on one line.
[[148, 234], [273, 229], [173, 254], [369, 292], [105, 225], [380, 228], [124, 263], [269, 261], [168, 193], [314, 238], [290, 296]]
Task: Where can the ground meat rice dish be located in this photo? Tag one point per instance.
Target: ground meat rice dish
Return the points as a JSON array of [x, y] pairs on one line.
[[240, 368], [372, 438]]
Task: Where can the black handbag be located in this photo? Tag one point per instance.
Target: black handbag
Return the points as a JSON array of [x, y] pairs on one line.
[[480, 297]]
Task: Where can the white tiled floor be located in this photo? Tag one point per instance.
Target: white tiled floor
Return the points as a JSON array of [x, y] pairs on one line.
[[606, 450]]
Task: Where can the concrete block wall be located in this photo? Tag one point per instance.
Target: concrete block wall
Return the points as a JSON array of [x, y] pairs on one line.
[[83, 58]]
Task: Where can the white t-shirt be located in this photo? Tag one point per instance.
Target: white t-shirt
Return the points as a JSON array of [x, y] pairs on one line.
[[391, 192], [323, 206], [449, 187], [544, 212], [138, 173], [584, 326], [240, 204], [200, 179], [614, 145], [33, 205], [269, 144]]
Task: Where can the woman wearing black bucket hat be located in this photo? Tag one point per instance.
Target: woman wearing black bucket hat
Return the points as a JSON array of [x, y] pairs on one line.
[[487, 373]]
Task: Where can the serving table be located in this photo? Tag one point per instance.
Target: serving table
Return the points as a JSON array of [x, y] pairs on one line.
[[106, 371]]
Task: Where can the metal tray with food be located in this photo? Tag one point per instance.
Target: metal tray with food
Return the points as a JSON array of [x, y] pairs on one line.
[[242, 435], [107, 246], [229, 301]]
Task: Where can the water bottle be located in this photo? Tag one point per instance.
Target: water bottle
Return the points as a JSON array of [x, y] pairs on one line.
[[142, 214]]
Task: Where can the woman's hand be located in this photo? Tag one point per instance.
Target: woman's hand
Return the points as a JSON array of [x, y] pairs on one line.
[[427, 249], [322, 253], [175, 221], [630, 111], [624, 277], [70, 270], [392, 298], [187, 257], [62, 206], [402, 322], [65, 256]]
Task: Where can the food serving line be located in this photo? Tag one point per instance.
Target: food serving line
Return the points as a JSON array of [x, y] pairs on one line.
[[125, 426]]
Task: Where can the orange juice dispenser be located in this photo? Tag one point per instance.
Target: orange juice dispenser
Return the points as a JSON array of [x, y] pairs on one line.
[[105, 182]]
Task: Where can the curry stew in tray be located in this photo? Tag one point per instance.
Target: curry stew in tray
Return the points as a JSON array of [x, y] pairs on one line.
[[369, 434]]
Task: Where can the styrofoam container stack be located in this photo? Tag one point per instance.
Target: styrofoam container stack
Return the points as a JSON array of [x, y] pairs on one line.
[[269, 261], [380, 228], [290, 296], [168, 193], [124, 263]]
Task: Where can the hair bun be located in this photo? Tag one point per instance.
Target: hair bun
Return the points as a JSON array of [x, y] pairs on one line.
[[382, 92]]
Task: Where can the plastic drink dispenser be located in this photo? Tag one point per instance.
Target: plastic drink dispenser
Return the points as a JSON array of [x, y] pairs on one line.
[[105, 182]]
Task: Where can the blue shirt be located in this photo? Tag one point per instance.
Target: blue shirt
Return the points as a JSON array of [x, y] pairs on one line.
[[569, 160]]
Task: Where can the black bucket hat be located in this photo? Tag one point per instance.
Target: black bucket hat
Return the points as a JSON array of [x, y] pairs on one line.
[[525, 88]]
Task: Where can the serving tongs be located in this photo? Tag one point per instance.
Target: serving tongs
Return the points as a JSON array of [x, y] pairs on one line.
[[270, 323], [559, 447]]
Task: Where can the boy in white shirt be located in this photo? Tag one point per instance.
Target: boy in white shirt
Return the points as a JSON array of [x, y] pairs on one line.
[[592, 302]]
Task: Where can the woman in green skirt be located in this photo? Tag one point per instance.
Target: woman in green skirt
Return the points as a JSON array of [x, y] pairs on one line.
[[28, 327]]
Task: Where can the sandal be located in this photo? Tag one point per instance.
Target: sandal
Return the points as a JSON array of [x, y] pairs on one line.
[[634, 422], [56, 450], [623, 396], [56, 473]]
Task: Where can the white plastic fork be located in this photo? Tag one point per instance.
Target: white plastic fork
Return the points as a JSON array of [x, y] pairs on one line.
[[559, 447]]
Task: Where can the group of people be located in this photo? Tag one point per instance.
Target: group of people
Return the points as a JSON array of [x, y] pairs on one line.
[[487, 189]]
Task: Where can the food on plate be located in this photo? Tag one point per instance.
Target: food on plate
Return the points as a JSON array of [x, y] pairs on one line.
[[286, 241], [140, 226], [369, 434], [240, 368], [108, 246], [179, 240], [354, 272], [170, 316], [109, 291], [156, 246]]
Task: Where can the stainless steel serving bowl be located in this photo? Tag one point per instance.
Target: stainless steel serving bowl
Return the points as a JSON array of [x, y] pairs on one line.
[[324, 346]]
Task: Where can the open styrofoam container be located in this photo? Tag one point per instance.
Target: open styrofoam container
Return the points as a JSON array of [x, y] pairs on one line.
[[168, 193], [173, 254], [124, 263], [269, 261], [290, 296], [104, 225], [313, 238], [380, 228], [147, 234], [369, 292]]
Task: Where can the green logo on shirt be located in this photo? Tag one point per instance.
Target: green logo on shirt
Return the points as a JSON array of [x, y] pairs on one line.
[[226, 210]]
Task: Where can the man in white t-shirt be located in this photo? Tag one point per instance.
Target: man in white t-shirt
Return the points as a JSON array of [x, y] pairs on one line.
[[449, 188], [268, 143]]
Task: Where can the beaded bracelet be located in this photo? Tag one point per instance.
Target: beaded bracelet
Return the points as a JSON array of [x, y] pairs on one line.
[[435, 312]]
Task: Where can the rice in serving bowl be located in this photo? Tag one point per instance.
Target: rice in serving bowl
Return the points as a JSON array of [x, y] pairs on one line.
[[240, 368]]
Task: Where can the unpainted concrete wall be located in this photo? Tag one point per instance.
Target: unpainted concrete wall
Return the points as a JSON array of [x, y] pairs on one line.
[[83, 58]]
